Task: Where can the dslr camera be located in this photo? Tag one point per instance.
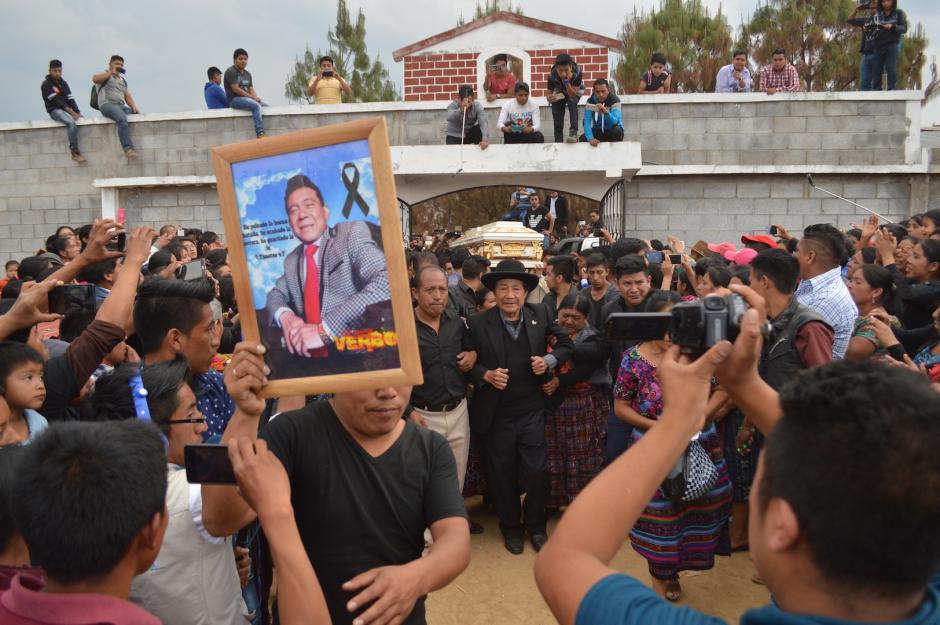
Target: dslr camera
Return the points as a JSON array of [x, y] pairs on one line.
[[693, 326]]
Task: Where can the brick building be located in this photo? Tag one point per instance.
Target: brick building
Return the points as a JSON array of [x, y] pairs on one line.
[[434, 67]]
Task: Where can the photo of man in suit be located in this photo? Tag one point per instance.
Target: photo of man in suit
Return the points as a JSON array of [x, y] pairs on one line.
[[508, 408], [329, 279]]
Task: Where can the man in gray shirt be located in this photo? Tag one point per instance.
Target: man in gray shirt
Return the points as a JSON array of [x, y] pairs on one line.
[[116, 102], [466, 120]]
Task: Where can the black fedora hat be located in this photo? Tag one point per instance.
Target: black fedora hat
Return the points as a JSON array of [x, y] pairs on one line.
[[510, 269]]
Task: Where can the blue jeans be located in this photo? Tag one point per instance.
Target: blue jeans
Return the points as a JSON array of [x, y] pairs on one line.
[[119, 112], [884, 60], [60, 115], [247, 104], [865, 76]]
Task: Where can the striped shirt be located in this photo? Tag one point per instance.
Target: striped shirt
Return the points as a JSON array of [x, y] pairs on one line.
[[828, 296]]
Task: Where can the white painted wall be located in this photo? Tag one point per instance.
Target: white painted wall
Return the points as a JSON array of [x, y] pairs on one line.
[[503, 34]]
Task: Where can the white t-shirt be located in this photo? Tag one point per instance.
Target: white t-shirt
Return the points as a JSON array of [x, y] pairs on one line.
[[520, 115]]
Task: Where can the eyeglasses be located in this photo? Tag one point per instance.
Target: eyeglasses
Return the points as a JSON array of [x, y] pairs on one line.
[[197, 421]]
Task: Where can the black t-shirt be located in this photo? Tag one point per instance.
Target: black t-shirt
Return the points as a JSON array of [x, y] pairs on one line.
[[356, 512], [233, 76], [537, 219]]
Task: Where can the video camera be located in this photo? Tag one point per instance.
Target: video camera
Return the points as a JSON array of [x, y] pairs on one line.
[[693, 326]]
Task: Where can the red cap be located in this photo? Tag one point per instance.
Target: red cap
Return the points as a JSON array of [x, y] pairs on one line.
[[743, 256], [766, 239], [721, 248]]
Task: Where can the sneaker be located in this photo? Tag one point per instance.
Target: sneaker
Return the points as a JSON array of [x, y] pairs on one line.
[[77, 156], [261, 135], [572, 136], [130, 153]]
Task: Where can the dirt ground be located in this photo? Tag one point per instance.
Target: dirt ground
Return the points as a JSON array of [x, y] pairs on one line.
[[498, 588]]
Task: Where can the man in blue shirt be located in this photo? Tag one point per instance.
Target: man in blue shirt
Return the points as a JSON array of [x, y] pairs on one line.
[[736, 77], [844, 507], [602, 119], [213, 91]]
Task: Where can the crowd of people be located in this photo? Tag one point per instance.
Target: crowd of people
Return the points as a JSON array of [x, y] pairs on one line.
[[883, 26], [355, 502]]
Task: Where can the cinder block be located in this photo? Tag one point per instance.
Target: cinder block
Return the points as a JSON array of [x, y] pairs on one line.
[[691, 157], [685, 222], [57, 217], [723, 157], [772, 207], [837, 207], [746, 223], [163, 197], [79, 216], [194, 125], [153, 214], [656, 126], [801, 141], [853, 189], [790, 157], [788, 189], [823, 157], [804, 207], [773, 109], [839, 107], [685, 189], [180, 141], [181, 169], [789, 124], [652, 222], [42, 203], [893, 190], [92, 202], [16, 162], [753, 189], [180, 213], [856, 157], [652, 189]]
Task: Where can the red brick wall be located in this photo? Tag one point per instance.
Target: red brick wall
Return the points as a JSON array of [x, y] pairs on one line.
[[437, 76]]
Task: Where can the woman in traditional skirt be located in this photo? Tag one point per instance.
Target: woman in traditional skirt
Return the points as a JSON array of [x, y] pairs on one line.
[[576, 424], [682, 536]]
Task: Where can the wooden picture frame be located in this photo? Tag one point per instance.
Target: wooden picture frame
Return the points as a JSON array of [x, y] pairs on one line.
[[371, 355]]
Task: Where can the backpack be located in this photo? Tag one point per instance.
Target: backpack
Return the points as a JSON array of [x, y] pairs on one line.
[[94, 97]]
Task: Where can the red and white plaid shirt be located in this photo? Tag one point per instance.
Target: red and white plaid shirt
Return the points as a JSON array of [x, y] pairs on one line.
[[787, 80]]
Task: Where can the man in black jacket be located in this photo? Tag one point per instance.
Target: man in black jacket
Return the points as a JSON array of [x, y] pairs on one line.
[[61, 105], [508, 408], [565, 88]]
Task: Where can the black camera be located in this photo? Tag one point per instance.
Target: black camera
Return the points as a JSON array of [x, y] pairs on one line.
[[327, 74], [693, 326]]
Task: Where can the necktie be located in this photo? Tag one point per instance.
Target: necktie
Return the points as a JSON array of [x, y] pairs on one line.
[[312, 287]]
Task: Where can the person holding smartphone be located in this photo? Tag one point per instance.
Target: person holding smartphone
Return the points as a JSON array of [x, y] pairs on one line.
[[328, 87], [116, 102], [466, 115], [565, 88]]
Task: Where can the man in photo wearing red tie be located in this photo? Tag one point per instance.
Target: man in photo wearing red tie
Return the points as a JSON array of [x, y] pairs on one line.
[[329, 279]]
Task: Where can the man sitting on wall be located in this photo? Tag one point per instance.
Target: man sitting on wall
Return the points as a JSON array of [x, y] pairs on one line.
[[466, 120]]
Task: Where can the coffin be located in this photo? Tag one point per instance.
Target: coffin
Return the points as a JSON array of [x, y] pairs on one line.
[[504, 239]]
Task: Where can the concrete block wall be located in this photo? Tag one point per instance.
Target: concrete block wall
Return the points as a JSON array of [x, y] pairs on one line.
[[721, 208], [861, 135]]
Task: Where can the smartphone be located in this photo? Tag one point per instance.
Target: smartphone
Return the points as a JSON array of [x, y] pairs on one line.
[[675, 259], [120, 215], [654, 256], [328, 74], [118, 243], [121, 70], [638, 326], [72, 298], [208, 464], [773, 231], [180, 232], [582, 223], [193, 270]]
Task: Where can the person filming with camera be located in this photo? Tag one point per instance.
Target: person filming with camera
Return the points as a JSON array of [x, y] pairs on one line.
[[328, 87]]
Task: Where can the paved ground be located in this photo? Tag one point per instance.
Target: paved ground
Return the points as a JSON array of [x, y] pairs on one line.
[[499, 589]]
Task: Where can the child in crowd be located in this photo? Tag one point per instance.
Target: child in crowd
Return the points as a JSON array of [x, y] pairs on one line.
[[657, 78], [23, 391]]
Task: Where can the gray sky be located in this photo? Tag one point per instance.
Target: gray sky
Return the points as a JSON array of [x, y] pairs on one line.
[[168, 45]]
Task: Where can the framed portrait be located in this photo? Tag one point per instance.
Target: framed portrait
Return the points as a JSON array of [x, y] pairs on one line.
[[317, 256]]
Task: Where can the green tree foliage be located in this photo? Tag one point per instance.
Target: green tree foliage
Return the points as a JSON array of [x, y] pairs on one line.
[[818, 41], [367, 76], [696, 44], [488, 8]]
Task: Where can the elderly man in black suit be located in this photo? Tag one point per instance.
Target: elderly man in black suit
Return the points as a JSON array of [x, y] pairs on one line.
[[512, 341], [329, 279]]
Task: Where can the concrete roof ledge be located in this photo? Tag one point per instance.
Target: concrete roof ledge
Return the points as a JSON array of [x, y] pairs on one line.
[[390, 107]]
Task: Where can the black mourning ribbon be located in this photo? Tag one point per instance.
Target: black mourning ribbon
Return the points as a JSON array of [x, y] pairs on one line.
[[352, 186]]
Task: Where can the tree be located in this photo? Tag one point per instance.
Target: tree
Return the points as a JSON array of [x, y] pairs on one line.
[[488, 8], [818, 41], [368, 77], [695, 43]]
